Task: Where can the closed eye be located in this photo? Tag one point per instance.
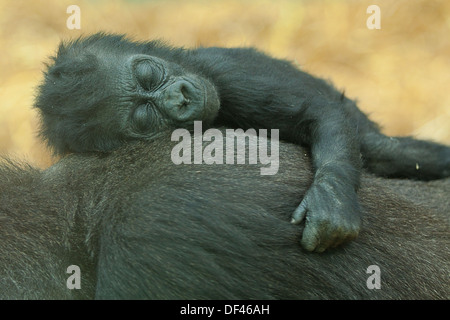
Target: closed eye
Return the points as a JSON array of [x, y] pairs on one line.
[[148, 75], [142, 117]]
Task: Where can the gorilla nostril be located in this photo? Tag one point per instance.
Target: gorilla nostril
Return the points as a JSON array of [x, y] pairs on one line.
[[186, 91]]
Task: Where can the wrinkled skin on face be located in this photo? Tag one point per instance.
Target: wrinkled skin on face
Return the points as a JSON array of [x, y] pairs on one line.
[[110, 97]]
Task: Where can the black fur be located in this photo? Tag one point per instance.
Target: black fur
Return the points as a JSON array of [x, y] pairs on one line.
[[141, 227], [94, 99]]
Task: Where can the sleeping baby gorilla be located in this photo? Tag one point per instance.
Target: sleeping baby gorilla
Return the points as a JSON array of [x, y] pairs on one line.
[[104, 90]]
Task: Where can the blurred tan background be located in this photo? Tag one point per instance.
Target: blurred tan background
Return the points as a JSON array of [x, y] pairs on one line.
[[400, 74]]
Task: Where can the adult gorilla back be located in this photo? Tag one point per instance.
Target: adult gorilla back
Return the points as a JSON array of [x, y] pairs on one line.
[[139, 226]]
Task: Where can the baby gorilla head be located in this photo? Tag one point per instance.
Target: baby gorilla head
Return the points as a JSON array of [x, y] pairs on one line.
[[103, 90]]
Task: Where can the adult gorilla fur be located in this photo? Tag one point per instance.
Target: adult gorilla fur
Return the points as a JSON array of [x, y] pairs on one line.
[[139, 226]]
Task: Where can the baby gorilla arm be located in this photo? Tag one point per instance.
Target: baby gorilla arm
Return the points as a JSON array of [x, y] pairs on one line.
[[259, 91], [331, 205]]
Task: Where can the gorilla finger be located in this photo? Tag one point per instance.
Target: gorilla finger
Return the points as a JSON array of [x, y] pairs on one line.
[[310, 238], [299, 213]]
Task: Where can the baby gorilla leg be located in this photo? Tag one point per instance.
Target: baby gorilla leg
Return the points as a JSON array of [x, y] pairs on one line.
[[405, 157]]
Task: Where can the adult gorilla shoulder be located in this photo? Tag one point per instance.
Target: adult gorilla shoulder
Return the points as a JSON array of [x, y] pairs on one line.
[[103, 90], [139, 226]]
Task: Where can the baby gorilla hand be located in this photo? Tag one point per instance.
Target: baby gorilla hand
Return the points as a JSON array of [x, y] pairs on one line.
[[332, 215]]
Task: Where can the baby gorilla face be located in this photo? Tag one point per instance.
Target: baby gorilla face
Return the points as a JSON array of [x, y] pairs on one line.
[[94, 100], [162, 94]]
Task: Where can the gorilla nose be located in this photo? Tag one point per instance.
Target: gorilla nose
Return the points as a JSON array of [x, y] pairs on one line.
[[179, 101], [179, 94]]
